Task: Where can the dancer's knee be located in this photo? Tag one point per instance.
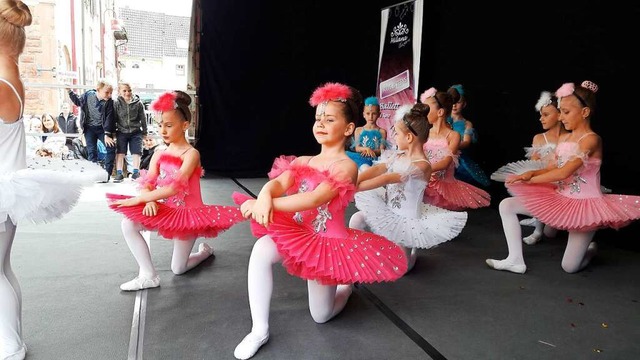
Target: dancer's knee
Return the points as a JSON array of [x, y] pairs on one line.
[[179, 269], [321, 316], [357, 221], [571, 265], [508, 205]]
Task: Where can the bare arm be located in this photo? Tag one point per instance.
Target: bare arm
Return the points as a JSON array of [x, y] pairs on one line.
[[454, 142]]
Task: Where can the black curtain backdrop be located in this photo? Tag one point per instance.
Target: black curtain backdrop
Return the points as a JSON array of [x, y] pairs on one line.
[[260, 61]]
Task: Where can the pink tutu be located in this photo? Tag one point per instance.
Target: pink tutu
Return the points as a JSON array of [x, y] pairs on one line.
[[182, 216], [358, 257], [580, 214], [181, 223], [455, 195]]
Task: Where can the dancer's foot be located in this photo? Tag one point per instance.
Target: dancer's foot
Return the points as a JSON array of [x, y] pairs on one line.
[[204, 247], [506, 265], [532, 239], [529, 222], [250, 345], [18, 355], [140, 283]]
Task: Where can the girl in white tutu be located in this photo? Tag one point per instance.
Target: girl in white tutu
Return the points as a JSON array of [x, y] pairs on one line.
[[25, 194], [390, 193]]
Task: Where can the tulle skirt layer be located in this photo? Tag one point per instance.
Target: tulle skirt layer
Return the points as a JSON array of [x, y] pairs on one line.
[[38, 196], [434, 225], [455, 195], [469, 171], [565, 213], [181, 223], [358, 257], [517, 168]]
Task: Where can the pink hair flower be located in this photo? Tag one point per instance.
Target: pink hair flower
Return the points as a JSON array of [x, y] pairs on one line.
[[328, 92], [430, 92], [565, 90], [164, 102], [590, 85]]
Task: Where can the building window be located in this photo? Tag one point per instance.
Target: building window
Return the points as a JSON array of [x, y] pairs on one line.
[[179, 69]]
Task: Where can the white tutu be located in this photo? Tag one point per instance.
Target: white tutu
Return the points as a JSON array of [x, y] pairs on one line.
[[517, 168], [434, 225], [83, 170], [37, 195]]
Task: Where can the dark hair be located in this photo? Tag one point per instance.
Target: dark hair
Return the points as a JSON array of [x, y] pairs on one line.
[[183, 100], [587, 97], [456, 97], [445, 101], [353, 106], [416, 121]]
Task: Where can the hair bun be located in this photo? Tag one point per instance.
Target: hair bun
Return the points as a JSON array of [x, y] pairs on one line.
[[182, 98], [590, 85], [16, 13], [420, 109]]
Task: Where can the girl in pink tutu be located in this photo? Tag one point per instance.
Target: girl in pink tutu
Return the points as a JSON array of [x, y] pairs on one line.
[[444, 190], [567, 196], [306, 231], [390, 193], [170, 201], [540, 155]]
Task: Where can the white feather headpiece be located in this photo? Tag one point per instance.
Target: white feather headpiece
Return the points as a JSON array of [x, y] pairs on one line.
[[544, 100], [401, 112]]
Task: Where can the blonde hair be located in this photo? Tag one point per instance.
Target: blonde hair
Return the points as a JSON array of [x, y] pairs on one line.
[[102, 83], [14, 16]]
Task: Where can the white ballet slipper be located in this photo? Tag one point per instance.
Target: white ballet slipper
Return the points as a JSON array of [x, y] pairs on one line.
[[205, 247], [249, 346], [18, 355], [507, 266], [140, 283], [532, 239], [529, 222]]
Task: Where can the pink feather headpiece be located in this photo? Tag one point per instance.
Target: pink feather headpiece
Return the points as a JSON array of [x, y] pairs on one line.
[[565, 90], [165, 102], [330, 92], [430, 92]]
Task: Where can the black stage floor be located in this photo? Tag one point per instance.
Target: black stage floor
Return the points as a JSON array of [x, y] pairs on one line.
[[451, 306]]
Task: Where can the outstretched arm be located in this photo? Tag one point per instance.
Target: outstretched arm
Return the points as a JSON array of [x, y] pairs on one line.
[[467, 137]]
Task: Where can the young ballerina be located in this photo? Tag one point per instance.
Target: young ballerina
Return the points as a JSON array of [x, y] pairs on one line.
[[467, 170], [540, 154], [370, 139], [567, 196], [305, 230], [390, 192], [170, 201], [25, 195], [444, 190]]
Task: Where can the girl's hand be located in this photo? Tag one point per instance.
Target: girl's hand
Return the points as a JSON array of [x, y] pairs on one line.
[[524, 177], [262, 211], [128, 202], [150, 209], [247, 208], [369, 153]]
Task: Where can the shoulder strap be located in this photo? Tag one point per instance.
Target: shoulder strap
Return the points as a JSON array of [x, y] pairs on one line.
[[184, 152], [425, 160], [585, 135], [17, 95], [544, 135]]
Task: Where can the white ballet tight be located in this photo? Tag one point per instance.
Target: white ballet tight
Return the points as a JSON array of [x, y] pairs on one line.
[[357, 221], [325, 301], [181, 261], [576, 257], [10, 296]]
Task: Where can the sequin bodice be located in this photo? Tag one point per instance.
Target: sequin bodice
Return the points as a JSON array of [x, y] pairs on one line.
[[404, 198], [370, 138], [584, 182], [436, 150], [188, 189], [326, 219]]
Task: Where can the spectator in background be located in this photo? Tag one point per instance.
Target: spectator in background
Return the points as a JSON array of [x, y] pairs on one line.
[[52, 146], [68, 123], [98, 122], [131, 125], [149, 146]]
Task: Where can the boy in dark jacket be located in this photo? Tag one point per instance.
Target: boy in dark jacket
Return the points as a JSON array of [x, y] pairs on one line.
[[97, 121], [131, 125], [67, 122]]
